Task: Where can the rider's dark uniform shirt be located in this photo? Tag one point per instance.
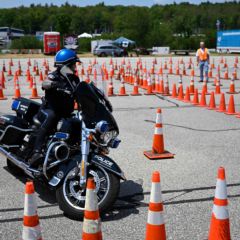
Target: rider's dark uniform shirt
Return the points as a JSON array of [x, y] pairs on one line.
[[61, 103]]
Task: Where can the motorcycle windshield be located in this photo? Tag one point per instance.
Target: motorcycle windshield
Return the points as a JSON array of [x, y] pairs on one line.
[[93, 110]]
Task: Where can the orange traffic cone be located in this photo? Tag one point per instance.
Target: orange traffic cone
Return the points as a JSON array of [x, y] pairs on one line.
[[174, 91], [2, 79], [161, 87], [166, 88], [210, 73], [17, 92], [184, 70], [122, 91], [191, 89], [9, 71], [217, 87], [155, 228], [195, 100], [234, 74], [34, 90], [203, 100], [222, 105], [135, 90], [231, 106], [91, 223], [158, 151], [205, 88], [177, 70], [110, 88], [170, 70], [40, 76], [149, 88], [187, 96], [31, 82], [226, 74], [11, 62], [31, 225], [180, 93], [212, 104], [2, 97], [220, 226], [232, 87]]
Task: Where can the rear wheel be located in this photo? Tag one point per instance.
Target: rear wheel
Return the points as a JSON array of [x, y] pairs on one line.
[[13, 168], [71, 198]]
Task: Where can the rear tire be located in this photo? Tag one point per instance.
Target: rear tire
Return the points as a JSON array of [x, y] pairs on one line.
[[13, 168], [106, 204]]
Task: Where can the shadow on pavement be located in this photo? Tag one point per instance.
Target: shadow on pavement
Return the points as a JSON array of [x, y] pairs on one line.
[[128, 202]]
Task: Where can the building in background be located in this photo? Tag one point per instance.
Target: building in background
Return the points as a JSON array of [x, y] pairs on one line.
[[7, 34]]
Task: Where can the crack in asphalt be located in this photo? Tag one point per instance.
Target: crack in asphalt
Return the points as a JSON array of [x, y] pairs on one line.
[[195, 129]]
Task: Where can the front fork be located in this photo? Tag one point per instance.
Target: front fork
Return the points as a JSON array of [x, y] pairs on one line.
[[85, 145]]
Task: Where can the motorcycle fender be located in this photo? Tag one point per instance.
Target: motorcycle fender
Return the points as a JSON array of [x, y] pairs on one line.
[[108, 164], [62, 170], [98, 160]]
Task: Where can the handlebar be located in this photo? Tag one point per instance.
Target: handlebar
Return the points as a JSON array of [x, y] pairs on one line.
[[63, 90]]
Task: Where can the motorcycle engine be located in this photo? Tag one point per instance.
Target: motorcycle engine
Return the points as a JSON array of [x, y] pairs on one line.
[[60, 151]]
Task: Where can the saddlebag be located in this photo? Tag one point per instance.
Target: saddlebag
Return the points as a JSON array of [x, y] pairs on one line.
[[12, 130]]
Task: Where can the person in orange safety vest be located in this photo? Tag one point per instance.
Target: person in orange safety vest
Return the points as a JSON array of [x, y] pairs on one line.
[[203, 61]]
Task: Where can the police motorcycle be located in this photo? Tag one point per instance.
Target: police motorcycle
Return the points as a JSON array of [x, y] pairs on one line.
[[76, 150]]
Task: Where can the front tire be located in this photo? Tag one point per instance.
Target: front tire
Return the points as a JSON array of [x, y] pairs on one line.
[[72, 201]]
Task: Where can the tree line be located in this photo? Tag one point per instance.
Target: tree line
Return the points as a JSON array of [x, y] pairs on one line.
[[180, 26]]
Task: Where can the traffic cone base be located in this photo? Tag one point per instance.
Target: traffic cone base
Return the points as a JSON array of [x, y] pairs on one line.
[[3, 98], [38, 97], [150, 93], [153, 156], [136, 94], [232, 92]]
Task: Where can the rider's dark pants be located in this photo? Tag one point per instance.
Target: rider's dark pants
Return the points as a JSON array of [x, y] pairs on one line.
[[49, 120]]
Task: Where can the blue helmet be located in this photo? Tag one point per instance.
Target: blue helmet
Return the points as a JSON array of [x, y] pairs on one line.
[[64, 57]]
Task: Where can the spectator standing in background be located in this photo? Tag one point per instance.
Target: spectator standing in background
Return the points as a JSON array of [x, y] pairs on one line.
[[203, 61]]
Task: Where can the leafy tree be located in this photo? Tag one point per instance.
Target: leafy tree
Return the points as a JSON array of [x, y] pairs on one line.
[[27, 42], [175, 25]]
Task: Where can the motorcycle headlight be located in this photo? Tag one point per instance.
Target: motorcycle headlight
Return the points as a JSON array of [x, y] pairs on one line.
[[108, 136]]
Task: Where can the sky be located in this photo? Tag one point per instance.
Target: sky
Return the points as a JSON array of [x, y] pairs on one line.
[[16, 3]]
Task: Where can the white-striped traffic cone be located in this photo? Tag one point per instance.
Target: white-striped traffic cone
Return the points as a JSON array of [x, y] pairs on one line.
[[220, 227], [91, 222], [31, 226], [158, 151], [155, 224]]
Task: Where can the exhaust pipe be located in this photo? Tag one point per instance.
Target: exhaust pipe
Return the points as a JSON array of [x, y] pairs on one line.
[[29, 171]]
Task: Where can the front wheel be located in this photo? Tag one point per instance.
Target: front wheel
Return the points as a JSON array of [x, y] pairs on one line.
[[71, 198]]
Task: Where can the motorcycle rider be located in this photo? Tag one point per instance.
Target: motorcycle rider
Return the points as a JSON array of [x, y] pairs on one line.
[[59, 99]]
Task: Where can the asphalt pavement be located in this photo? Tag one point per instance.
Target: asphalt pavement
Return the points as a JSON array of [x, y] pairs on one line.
[[202, 140]]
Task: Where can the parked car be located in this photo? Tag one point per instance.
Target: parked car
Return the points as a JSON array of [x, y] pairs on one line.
[[108, 50], [142, 51]]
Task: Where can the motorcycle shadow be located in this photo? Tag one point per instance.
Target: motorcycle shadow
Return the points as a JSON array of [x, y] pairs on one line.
[[129, 201], [41, 189]]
